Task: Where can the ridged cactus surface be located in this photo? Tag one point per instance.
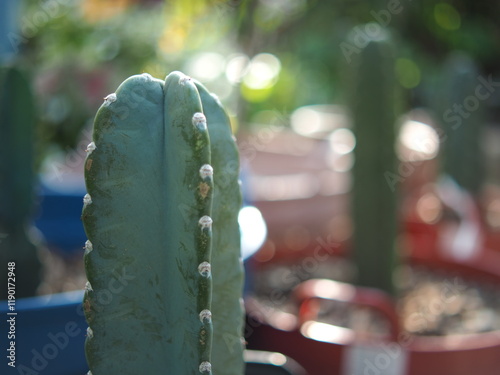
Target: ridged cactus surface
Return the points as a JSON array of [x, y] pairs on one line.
[[17, 125], [152, 264], [226, 263], [373, 106]]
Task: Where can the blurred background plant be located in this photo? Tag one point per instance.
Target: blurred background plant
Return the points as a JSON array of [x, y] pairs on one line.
[[273, 54]]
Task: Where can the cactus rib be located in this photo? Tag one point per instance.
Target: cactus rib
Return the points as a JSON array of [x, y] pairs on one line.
[[227, 354]]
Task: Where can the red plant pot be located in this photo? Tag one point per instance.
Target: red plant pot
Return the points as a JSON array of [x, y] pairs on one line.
[[322, 348]]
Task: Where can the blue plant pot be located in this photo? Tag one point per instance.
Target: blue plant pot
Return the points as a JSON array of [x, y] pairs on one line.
[[49, 335], [59, 220]]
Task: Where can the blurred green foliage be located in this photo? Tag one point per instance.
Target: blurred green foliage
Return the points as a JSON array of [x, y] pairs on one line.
[[80, 49]]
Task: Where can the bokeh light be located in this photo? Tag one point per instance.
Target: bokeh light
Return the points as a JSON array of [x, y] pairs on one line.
[[263, 71], [318, 120], [262, 74], [342, 141], [205, 66], [237, 67], [417, 141]]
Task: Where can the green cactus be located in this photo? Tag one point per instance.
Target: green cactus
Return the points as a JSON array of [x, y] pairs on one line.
[[374, 201], [17, 124], [154, 280], [226, 263], [462, 120]]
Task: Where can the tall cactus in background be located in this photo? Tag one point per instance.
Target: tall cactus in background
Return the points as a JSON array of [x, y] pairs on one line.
[[159, 284], [9, 29], [462, 120], [17, 125], [372, 103]]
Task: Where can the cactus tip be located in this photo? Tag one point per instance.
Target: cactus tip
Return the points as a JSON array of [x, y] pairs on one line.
[[184, 78], [90, 333]]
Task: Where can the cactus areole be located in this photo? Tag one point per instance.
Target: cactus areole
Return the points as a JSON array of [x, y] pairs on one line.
[[163, 253]]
